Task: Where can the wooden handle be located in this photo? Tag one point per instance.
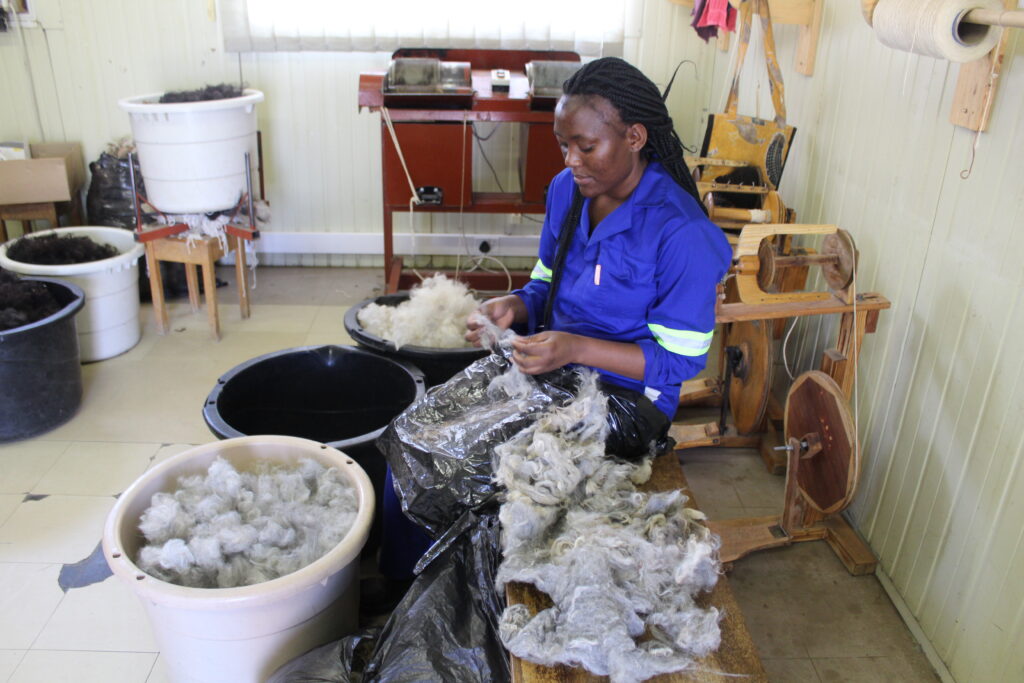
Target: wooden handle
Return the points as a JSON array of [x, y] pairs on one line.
[[772, 62], [774, 72], [995, 17], [732, 103]]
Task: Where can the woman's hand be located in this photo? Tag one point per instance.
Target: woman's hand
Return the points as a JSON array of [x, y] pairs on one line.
[[545, 351], [502, 311]]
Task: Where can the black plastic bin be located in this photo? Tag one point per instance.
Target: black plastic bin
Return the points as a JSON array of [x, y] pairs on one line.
[[438, 365], [40, 373], [339, 395]]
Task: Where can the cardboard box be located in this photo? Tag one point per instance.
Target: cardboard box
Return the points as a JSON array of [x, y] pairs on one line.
[[53, 173]]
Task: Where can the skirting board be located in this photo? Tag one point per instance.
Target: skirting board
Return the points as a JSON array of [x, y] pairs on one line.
[[435, 244], [915, 628]]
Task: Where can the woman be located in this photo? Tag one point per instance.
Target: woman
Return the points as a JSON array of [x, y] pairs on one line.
[[635, 296]]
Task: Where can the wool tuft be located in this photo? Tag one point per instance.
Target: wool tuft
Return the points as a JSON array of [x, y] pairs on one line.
[[229, 528], [616, 562], [434, 316]]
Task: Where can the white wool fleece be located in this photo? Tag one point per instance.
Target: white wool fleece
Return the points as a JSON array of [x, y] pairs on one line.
[[434, 316], [228, 528]]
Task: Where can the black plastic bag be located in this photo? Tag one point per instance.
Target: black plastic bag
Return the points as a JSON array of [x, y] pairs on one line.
[[444, 629], [109, 200]]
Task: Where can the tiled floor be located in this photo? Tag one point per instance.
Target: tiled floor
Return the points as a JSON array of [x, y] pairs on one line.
[[63, 618]]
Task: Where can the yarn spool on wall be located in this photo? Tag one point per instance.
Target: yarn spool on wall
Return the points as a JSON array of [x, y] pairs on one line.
[[944, 29]]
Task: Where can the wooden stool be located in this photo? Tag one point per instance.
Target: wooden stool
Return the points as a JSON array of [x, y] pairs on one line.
[[42, 211], [202, 252]]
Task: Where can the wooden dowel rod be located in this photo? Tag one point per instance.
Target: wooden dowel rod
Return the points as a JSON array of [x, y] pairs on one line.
[[995, 17], [804, 260]]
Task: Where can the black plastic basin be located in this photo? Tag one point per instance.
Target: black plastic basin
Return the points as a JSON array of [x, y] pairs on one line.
[[438, 365], [40, 373]]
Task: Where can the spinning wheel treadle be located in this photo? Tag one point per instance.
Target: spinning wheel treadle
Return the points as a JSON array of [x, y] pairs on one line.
[[819, 425], [749, 385]]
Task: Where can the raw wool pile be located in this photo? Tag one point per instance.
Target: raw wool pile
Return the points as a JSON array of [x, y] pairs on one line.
[[23, 301], [221, 91], [434, 316], [616, 562], [231, 528]]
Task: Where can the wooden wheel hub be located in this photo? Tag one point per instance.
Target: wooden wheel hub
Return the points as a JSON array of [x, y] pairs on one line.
[[842, 264], [818, 425], [751, 375]]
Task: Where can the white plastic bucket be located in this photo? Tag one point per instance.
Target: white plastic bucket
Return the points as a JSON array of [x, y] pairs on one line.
[[244, 634], [109, 323], [192, 154]]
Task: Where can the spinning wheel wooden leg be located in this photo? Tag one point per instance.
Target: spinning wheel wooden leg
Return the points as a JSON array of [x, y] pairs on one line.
[[156, 289], [210, 285], [241, 276], [192, 278]]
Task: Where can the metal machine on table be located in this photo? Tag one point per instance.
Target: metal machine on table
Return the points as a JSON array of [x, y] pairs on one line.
[[816, 445], [430, 98]]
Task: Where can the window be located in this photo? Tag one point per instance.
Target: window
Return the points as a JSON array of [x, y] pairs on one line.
[[592, 28]]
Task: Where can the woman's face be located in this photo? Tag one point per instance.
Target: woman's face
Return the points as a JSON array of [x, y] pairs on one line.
[[602, 151]]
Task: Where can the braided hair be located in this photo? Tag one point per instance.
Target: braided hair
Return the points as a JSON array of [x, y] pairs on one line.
[[638, 100]]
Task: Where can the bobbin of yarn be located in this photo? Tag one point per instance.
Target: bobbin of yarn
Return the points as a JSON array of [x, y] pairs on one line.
[[934, 28]]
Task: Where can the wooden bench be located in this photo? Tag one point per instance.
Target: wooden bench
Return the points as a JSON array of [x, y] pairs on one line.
[[737, 655]]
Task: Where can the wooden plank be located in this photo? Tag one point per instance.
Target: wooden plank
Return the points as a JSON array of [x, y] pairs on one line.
[[975, 94], [735, 312], [736, 656], [703, 390], [752, 235], [849, 547], [807, 42]]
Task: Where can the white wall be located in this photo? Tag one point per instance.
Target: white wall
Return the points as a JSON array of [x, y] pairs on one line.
[[939, 396], [940, 391]]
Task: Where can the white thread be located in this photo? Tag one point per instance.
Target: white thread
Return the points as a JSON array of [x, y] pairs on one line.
[[934, 28]]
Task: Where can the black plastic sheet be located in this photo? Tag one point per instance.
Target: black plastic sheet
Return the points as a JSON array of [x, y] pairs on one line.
[[444, 629], [440, 449]]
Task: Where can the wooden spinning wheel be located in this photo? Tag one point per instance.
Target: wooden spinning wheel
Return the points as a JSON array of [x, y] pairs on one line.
[[820, 431], [821, 480], [748, 351]]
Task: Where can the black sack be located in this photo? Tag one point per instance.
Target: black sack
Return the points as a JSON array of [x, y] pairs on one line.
[[444, 629]]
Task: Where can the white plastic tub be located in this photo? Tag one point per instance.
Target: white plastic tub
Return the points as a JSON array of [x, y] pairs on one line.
[[242, 635], [192, 154], [108, 325]]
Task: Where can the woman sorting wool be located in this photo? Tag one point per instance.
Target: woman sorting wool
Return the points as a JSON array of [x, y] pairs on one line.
[[628, 266]]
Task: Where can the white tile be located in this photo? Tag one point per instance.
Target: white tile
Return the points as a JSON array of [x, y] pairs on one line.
[[97, 468], [27, 601], [9, 660], [62, 529], [59, 666], [24, 463], [147, 401], [103, 616], [169, 450], [9, 502], [269, 318]]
